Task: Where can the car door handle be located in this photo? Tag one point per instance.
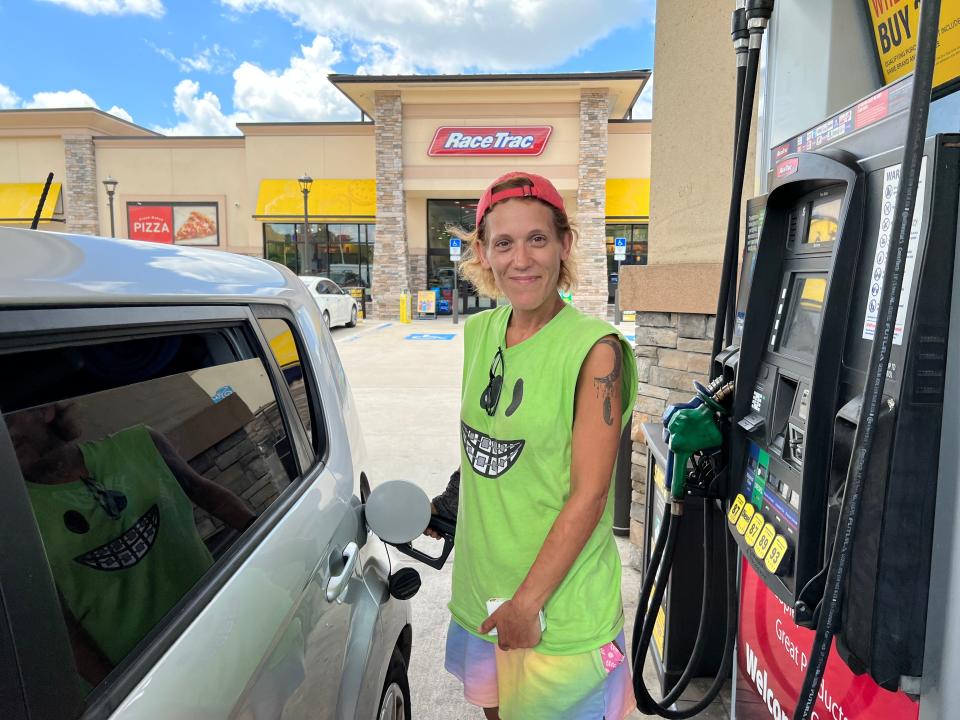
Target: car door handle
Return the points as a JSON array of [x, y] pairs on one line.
[[338, 583]]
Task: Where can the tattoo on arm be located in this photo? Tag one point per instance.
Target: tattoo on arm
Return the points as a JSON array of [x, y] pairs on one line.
[[607, 384]]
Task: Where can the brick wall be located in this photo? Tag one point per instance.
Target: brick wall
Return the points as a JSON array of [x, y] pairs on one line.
[[591, 294], [418, 270], [390, 269], [672, 350], [80, 186]]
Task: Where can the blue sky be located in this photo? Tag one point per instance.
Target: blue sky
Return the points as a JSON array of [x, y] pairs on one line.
[[199, 67]]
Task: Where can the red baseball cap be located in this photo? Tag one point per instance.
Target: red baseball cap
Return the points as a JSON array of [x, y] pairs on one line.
[[540, 188]]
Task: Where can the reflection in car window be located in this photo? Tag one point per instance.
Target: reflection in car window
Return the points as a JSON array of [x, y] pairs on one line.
[[144, 462], [280, 335]]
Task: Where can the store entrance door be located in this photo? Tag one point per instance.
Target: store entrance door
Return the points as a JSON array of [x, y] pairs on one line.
[[441, 215]]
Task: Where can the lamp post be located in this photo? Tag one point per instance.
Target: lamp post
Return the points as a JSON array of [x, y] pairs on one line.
[[111, 186], [305, 183]]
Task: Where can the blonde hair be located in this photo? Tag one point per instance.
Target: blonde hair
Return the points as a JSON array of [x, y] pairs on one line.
[[482, 278]]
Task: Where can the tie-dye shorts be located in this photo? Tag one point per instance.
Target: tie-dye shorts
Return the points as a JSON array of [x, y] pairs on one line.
[[527, 685]]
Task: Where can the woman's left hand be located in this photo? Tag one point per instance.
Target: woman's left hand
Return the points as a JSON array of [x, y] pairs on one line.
[[517, 627]]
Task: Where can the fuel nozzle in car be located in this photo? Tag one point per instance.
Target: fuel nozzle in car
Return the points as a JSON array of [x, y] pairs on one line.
[[446, 528], [398, 512]]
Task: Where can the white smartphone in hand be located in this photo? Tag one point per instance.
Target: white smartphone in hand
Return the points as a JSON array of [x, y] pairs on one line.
[[494, 603]]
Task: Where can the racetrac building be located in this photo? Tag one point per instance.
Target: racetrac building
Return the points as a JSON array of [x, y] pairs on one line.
[[382, 191]]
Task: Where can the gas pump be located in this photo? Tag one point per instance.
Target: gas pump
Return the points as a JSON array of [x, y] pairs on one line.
[[696, 430], [835, 354]]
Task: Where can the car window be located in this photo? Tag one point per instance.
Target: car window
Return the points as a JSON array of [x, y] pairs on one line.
[[325, 287], [334, 288], [280, 335], [145, 460]]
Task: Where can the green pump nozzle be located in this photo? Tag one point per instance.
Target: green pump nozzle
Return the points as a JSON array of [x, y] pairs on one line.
[[691, 430]]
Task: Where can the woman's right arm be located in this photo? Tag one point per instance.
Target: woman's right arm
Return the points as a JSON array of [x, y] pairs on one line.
[[446, 503]]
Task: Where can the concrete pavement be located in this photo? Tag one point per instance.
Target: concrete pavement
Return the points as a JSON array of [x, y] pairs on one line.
[[408, 395]]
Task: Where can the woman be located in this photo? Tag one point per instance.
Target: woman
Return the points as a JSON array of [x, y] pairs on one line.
[[537, 628]]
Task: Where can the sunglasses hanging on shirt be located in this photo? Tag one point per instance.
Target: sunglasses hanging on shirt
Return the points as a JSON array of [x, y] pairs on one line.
[[491, 394]]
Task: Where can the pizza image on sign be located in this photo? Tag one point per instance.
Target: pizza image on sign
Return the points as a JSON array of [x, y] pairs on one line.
[[195, 225]]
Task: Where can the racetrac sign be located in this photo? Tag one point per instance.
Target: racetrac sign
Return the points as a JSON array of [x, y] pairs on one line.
[[528, 140]]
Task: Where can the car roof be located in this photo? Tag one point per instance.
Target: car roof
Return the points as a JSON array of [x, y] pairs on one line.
[[39, 268]]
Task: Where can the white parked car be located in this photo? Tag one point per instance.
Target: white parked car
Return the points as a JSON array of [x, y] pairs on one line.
[[336, 304], [182, 477]]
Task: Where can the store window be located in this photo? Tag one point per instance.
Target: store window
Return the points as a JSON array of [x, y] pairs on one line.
[[442, 214], [342, 252], [636, 236]]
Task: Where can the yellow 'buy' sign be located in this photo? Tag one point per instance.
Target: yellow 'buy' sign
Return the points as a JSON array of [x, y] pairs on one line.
[[895, 24]]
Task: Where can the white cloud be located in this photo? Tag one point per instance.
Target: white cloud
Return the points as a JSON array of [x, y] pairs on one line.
[[457, 35], [8, 98], [56, 99], [202, 114], [379, 60], [61, 99], [119, 112], [214, 59], [643, 107], [151, 8], [299, 92]]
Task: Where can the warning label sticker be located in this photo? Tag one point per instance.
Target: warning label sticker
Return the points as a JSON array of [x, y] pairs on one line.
[[891, 182]]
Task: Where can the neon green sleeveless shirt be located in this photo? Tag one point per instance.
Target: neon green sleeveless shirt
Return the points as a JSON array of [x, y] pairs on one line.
[[515, 479], [120, 576]]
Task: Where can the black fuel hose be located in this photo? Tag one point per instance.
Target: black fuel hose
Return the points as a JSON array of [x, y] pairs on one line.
[[728, 269], [829, 621], [701, 642], [645, 702], [741, 44], [653, 567], [660, 573]]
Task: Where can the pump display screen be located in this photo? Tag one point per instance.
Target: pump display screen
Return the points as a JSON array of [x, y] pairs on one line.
[[824, 220], [806, 307]]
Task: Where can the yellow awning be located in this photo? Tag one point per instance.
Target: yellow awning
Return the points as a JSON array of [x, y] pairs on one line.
[[628, 198], [329, 200], [18, 203]]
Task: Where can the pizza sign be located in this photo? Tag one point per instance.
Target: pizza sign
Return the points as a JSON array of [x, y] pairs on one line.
[[174, 223], [527, 140], [150, 223]]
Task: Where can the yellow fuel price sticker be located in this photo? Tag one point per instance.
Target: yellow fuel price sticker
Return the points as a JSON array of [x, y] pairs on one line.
[[776, 553], [753, 530], [659, 629], [763, 543], [745, 518], [736, 508]]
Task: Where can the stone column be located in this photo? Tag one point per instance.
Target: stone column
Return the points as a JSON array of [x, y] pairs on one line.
[[80, 199], [672, 350], [591, 294], [390, 263], [418, 270]]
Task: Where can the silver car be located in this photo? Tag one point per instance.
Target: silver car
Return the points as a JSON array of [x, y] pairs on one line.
[[181, 476]]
